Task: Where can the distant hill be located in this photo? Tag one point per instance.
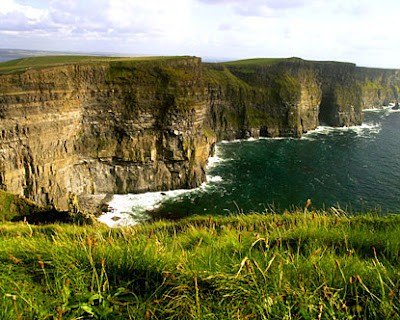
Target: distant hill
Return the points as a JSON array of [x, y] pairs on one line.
[[11, 54]]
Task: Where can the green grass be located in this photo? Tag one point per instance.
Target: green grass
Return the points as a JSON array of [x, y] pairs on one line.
[[23, 64], [299, 265], [221, 75], [258, 62], [12, 206]]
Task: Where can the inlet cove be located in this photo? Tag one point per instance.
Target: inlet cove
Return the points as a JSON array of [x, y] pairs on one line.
[[340, 167]]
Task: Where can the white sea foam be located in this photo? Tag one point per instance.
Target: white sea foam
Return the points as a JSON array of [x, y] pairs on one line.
[[131, 209], [364, 130], [255, 139], [213, 161], [276, 138], [214, 179], [217, 158], [373, 110], [385, 110], [233, 141], [239, 140]]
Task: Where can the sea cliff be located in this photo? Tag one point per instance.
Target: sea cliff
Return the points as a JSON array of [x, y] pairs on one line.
[[74, 132]]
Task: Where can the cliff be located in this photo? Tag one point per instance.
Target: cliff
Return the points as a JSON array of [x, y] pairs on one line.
[[75, 131], [94, 129], [378, 86]]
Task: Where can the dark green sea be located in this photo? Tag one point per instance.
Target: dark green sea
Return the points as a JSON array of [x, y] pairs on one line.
[[355, 168]]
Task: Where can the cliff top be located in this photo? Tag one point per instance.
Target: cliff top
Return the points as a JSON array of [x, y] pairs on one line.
[[20, 65], [305, 263], [24, 64], [258, 62]]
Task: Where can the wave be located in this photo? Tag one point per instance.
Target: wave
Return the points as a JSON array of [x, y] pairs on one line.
[[276, 138], [132, 209], [214, 161], [255, 139], [214, 178], [385, 110], [381, 109], [238, 140], [364, 130]]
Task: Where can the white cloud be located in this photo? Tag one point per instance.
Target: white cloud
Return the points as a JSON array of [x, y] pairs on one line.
[[10, 6], [121, 22], [17, 17], [362, 31]]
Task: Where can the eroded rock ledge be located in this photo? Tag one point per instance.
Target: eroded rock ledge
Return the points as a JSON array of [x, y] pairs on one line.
[[71, 134]]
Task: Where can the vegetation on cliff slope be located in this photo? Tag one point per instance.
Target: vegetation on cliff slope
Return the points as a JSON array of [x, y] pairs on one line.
[[17, 208], [299, 265]]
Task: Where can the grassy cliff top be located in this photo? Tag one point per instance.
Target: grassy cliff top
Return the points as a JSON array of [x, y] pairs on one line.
[[299, 265], [24, 64], [260, 62]]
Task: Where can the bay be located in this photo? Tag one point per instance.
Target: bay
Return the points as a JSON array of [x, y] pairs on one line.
[[353, 168]]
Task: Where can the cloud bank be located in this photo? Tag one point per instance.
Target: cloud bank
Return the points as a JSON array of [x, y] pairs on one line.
[[364, 32]]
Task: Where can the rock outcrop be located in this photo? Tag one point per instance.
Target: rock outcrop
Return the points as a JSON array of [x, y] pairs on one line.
[[72, 134]]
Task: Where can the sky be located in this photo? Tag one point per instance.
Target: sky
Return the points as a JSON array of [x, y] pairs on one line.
[[365, 32]]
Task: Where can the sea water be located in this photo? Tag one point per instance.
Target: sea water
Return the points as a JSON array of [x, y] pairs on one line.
[[355, 168]]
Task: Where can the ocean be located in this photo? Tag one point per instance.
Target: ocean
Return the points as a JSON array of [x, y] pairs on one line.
[[353, 168]]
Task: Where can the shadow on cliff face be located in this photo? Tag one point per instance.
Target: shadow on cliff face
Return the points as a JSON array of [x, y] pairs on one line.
[[328, 111], [16, 208], [49, 216]]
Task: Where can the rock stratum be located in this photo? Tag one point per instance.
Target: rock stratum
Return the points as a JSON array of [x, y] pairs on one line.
[[74, 132]]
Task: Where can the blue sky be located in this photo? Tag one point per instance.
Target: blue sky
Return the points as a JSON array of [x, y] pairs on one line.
[[365, 32]]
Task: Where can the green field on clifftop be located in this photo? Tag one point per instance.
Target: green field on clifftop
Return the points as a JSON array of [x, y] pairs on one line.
[[258, 62], [299, 265], [24, 64]]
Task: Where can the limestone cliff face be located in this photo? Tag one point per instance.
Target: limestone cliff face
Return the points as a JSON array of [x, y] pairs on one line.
[[341, 94], [285, 98], [378, 86], [105, 128], [278, 100], [290, 97], [72, 134]]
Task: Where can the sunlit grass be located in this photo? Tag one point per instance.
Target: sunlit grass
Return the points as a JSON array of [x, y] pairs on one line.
[[299, 265], [23, 64]]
